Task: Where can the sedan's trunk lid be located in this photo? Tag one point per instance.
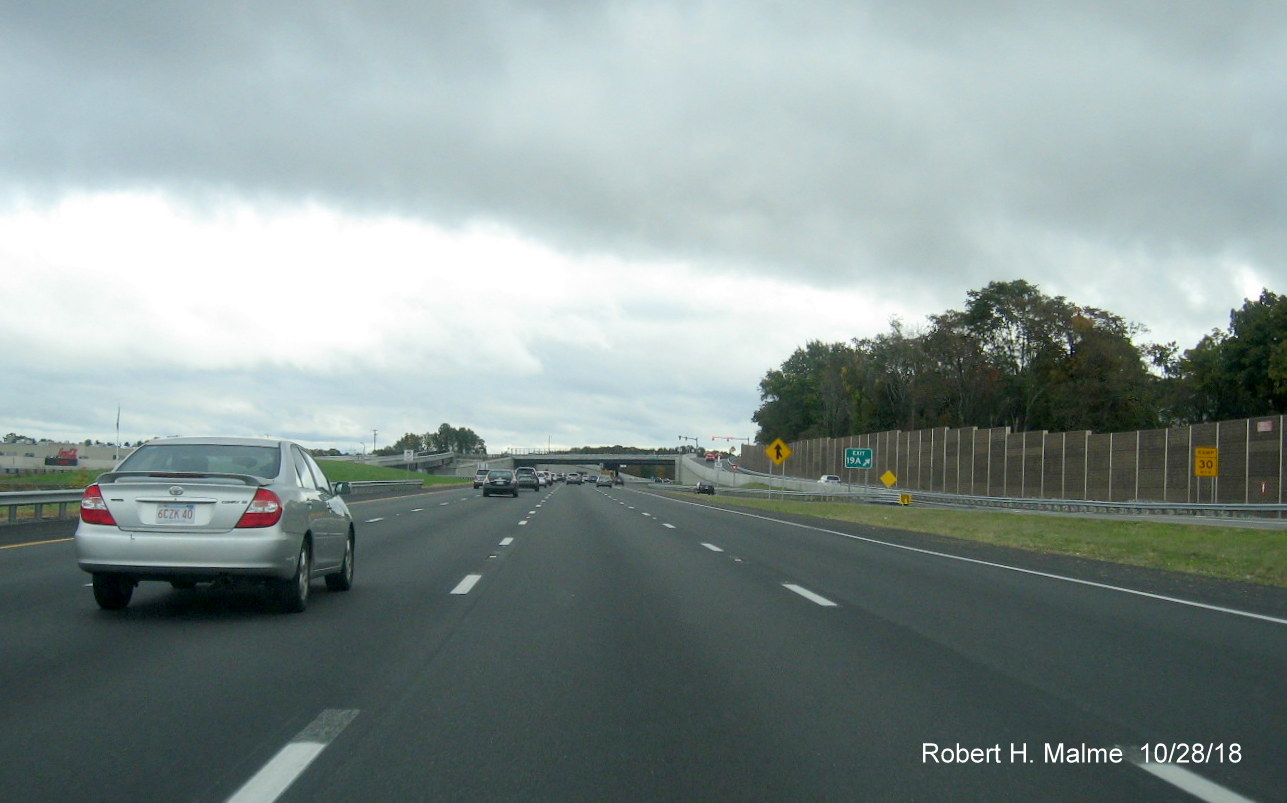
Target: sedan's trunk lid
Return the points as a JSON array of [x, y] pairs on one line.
[[178, 502]]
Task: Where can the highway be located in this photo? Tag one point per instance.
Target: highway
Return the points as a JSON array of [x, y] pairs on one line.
[[599, 644]]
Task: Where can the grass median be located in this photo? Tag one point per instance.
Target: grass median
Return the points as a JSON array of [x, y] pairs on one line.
[[1256, 555]]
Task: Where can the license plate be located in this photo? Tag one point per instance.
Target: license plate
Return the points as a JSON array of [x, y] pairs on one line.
[[177, 513]]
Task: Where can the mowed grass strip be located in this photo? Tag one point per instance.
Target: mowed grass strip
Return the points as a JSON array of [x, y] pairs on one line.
[[347, 471], [1254, 555]]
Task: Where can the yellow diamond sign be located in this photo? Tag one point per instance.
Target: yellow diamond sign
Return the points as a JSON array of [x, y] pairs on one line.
[[778, 452], [889, 478]]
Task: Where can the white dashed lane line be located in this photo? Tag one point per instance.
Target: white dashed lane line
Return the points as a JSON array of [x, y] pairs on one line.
[[809, 595], [281, 771], [467, 584]]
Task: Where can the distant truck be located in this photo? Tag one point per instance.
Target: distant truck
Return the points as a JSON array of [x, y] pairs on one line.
[[66, 457]]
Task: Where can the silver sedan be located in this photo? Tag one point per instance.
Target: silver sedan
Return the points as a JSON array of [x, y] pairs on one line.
[[190, 510]]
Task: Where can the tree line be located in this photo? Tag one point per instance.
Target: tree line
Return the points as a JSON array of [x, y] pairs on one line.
[[1014, 356], [447, 438]]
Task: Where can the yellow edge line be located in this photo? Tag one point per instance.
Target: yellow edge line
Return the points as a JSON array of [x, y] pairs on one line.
[[37, 543]]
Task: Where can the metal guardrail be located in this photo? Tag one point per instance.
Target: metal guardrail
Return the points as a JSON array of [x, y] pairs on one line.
[[64, 499], [1134, 508], [11, 501], [1137, 508], [803, 488], [367, 487]]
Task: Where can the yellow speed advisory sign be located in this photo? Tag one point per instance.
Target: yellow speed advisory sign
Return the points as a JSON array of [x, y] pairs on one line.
[[778, 452], [1206, 462]]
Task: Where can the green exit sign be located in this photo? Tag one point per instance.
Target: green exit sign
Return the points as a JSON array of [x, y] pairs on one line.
[[857, 458]]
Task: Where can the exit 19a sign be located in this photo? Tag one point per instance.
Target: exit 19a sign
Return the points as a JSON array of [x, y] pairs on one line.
[[857, 458]]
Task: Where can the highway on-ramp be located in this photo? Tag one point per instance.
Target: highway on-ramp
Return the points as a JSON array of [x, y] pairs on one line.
[[590, 643]]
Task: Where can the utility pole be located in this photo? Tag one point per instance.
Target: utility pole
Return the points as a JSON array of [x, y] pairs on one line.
[[373, 442]]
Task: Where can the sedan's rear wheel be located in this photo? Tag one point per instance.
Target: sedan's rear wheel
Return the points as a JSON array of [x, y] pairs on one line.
[[112, 592], [343, 579], [294, 592]]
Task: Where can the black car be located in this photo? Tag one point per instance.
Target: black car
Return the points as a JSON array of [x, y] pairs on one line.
[[500, 481], [704, 488]]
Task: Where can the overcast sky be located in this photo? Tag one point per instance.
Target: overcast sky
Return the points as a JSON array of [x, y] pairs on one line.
[[594, 223]]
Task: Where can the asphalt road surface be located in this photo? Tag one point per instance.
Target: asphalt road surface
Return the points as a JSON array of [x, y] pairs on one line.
[[602, 644]]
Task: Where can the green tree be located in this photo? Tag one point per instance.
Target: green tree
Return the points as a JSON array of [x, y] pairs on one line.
[[451, 439], [408, 441], [809, 396], [1240, 372], [1102, 383]]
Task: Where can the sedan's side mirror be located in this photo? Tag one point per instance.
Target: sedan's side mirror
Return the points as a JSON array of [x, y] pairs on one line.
[[341, 488]]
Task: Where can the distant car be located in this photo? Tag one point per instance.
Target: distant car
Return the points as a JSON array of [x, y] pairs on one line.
[[480, 476], [574, 478], [704, 488], [500, 481], [603, 481], [830, 479], [192, 510], [526, 476]]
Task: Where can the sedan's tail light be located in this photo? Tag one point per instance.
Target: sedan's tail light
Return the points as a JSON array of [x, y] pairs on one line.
[[93, 508], [265, 510]]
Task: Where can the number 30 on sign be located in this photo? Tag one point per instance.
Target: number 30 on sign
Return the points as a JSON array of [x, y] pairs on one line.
[[1206, 462]]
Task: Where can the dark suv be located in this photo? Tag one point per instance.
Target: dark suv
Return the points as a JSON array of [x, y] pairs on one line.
[[527, 478]]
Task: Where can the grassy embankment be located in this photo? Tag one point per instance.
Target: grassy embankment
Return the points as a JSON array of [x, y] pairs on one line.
[[1233, 553], [336, 471], [345, 471]]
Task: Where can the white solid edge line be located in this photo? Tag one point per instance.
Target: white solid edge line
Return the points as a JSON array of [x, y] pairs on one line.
[[809, 595], [1217, 608], [466, 585], [1195, 785], [290, 762]]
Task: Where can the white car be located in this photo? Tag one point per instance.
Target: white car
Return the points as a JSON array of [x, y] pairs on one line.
[[830, 479]]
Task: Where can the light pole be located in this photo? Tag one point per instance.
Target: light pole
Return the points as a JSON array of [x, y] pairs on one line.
[[696, 445], [729, 438]]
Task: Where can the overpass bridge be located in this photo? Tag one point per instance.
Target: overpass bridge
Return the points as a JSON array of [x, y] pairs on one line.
[[607, 461], [448, 462]]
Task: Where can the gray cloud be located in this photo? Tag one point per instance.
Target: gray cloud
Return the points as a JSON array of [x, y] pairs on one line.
[[1125, 155]]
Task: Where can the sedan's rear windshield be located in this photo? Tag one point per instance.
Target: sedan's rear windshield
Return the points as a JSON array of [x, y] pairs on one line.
[[202, 458]]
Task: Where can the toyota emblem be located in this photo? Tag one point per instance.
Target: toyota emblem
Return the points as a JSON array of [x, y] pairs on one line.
[[176, 490]]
